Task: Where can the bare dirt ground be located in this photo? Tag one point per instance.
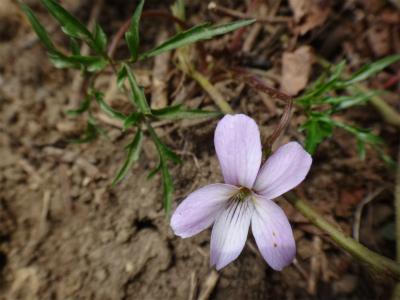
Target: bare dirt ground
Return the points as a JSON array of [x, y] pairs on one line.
[[65, 235]]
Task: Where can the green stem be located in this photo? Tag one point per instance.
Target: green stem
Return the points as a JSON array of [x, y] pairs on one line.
[[396, 290], [390, 115], [397, 203], [380, 267], [213, 92]]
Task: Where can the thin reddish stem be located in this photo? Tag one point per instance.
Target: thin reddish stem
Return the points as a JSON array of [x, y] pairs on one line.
[[239, 35], [392, 81], [244, 75]]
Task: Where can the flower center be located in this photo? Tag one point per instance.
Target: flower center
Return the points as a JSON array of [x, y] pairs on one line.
[[243, 193]]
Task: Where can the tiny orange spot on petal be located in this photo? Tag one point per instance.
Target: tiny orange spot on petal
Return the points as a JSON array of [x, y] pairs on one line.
[[275, 245], [273, 233]]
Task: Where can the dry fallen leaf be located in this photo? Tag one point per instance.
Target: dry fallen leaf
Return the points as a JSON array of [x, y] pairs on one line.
[[299, 8], [296, 69], [308, 14], [379, 39], [347, 200]]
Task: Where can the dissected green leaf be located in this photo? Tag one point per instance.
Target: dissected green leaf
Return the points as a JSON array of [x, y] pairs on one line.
[[175, 112], [344, 102], [92, 121], [99, 37], [161, 148], [133, 155], [63, 62], [75, 49], [41, 32], [318, 127], [72, 26], [386, 158], [371, 68], [363, 135], [93, 63], [338, 71], [97, 65], [132, 119], [84, 107], [112, 113], [164, 154], [132, 36], [138, 94], [320, 87], [332, 80], [195, 34], [361, 150], [121, 77], [319, 82], [168, 189], [90, 135], [85, 60]]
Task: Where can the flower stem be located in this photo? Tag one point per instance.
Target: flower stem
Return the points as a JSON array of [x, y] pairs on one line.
[[390, 115], [397, 199], [380, 267], [396, 290], [245, 75]]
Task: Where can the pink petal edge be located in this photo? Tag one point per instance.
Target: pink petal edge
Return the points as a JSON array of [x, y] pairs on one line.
[[200, 209], [283, 171], [238, 146], [230, 232], [273, 233]]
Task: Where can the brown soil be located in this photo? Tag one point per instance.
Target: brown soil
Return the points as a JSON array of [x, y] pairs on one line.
[[65, 235]]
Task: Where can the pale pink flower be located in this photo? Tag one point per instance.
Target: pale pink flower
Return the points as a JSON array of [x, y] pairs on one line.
[[245, 197]]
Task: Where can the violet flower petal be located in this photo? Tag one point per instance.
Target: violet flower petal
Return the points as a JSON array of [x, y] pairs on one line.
[[273, 233], [284, 170], [230, 231], [238, 146], [200, 209]]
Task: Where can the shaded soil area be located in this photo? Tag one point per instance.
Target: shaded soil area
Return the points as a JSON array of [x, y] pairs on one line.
[[65, 235]]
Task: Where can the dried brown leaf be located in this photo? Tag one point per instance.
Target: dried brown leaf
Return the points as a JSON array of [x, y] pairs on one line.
[[296, 69]]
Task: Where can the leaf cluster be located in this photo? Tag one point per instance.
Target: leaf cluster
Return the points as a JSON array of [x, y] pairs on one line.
[[319, 105], [142, 113]]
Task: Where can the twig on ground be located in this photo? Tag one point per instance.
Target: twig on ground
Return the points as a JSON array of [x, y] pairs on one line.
[[300, 269], [45, 208], [202, 253], [196, 162], [358, 211], [160, 71], [64, 187], [90, 170], [254, 30], [240, 15], [315, 266], [209, 285], [240, 33], [193, 286], [30, 170]]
